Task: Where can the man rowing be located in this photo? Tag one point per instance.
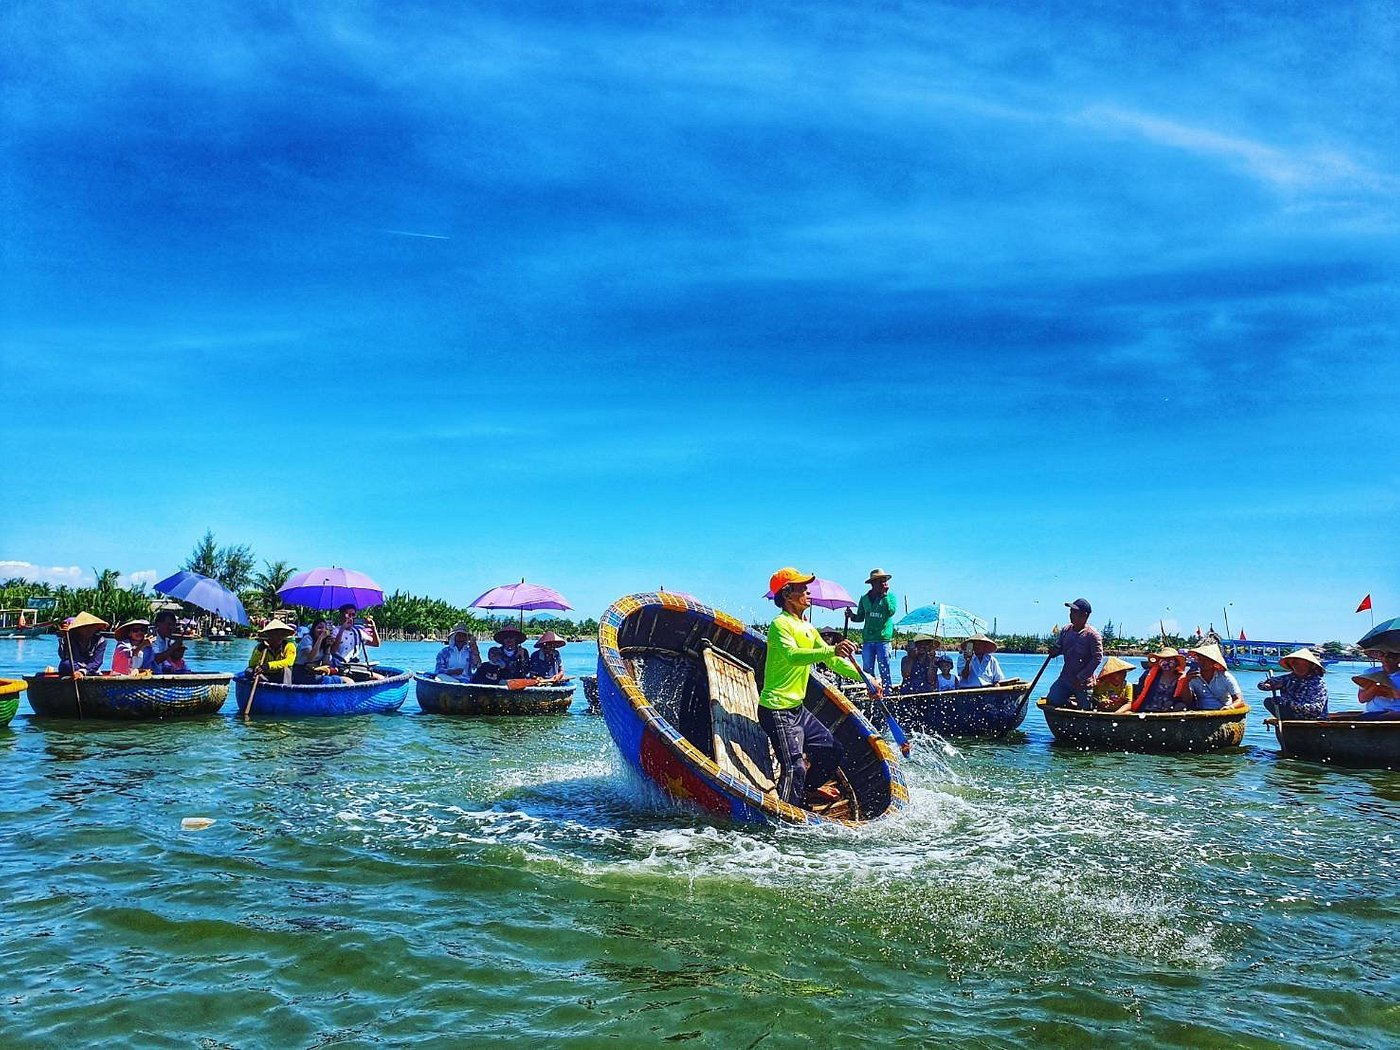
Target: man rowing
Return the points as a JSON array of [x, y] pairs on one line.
[[794, 646], [1082, 648]]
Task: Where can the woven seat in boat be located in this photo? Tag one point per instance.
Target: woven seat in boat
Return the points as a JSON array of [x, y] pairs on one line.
[[741, 745]]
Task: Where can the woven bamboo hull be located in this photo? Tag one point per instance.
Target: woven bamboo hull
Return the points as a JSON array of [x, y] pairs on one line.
[[1370, 743], [380, 697], [992, 711], [590, 693], [10, 688], [457, 698], [128, 697], [655, 701], [1166, 731]]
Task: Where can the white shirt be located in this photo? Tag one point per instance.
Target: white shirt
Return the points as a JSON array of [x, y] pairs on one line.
[[985, 671]]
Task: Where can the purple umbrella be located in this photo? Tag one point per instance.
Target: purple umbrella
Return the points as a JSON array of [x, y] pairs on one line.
[[523, 596], [827, 594], [330, 589]]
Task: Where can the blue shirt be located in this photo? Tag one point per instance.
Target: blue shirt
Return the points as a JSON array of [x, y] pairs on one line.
[[1299, 698], [452, 660]]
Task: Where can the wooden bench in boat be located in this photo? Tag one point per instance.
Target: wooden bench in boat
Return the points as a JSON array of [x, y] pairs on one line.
[[741, 745]]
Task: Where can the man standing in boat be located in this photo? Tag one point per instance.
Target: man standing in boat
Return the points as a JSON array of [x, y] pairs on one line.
[[876, 609], [1082, 648], [794, 646]]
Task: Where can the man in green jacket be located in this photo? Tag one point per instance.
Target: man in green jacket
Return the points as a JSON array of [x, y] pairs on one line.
[[876, 610], [794, 645]]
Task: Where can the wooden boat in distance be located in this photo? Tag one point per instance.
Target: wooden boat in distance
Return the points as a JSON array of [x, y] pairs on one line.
[[10, 688], [133, 697], [378, 696], [1343, 740], [1177, 731], [678, 684], [21, 623], [992, 710], [462, 698]]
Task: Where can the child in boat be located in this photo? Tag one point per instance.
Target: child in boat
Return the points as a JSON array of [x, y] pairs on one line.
[[546, 663], [1112, 691], [81, 647], [1212, 686], [919, 667], [1303, 692], [1163, 687], [167, 650], [134, 653], [272, 658], [943, 677], [459, 657]]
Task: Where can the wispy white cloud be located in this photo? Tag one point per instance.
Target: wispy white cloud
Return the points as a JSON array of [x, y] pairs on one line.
[[139, 578], [67, 575]]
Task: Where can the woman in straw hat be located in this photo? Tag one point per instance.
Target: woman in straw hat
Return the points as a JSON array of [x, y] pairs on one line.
[[134, 653], [1212, 686], [980, 667], [506, 659], [1112, 691], [272, 658], [81, 647], [546, 662], [1163, 687], [1303, 692]]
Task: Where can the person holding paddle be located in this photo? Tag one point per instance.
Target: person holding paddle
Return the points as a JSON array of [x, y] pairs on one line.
[[81, 647], [1304, 693], [876, 609], [1082, 649], [798, 737], [546, 662], [272, 658]]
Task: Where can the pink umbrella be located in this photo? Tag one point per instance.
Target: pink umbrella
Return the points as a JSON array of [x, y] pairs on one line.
[[827, 594], [526, 597]]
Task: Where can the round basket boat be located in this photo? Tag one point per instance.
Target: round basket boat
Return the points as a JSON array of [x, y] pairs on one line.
[[1143, 731], [1343, 740], [380, 696], [992, 711], [462, 698], [128, 697], [678, 683], [10, 688]]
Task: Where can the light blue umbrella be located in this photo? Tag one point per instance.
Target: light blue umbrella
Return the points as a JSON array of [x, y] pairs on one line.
[[210, 595], [944, 621]]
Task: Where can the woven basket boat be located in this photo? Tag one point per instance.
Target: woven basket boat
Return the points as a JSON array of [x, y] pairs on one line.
[[128, 697], [1343, 740], [993, 710], [380, 696], [461, 698], [1167, 731], [10, 688], [678, 684]]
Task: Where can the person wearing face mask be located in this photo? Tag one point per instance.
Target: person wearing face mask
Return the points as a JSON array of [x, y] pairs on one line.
[[505, 660]]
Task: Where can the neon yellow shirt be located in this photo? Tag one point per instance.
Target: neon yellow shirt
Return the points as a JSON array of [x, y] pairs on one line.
[[275, 662], [793, 647]]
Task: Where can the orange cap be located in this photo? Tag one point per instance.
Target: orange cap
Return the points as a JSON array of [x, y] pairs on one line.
[[783, 577]]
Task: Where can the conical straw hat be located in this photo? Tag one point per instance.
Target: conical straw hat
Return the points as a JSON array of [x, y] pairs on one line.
[[83, 619], [1306, 655], [1210, 651]]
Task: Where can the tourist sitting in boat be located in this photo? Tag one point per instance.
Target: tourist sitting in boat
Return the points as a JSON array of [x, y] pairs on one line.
[[350, 638], [804, 747], [1212, 686], [1112, 691], [546, 662], [919, 667], [133, 653], [505, 660], [1380, 686], [979, 666], [943, 677], [167, 650], [1163, 687], [315, 656], [272, 658], [459, 657], [1303, 692], [81, 647]]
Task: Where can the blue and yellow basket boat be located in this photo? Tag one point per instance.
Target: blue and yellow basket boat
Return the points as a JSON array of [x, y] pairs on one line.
[[135, 697], [682, 730]]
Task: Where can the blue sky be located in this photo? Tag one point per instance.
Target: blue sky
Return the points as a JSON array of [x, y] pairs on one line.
[[1020, 302]]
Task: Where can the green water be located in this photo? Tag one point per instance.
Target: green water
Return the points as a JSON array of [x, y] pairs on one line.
[[422, 879]]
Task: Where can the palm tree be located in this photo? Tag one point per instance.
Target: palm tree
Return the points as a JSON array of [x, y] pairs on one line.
[[267, 583]]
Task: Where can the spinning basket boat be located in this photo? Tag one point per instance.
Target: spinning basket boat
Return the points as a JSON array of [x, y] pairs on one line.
[[380, 696], [1146, 731], [460, 698], [128, 697], [678, 683], [993, 710], [1343, 740]]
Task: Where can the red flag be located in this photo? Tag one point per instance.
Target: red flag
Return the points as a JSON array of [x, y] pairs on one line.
[[1242, 637], [1365, 604]]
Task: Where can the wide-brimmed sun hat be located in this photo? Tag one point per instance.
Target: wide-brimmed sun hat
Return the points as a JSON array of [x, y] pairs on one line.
[[1167, 653], [1305, 656], [788, 575], [985, 640], [506, 632], [121, 632], [878, 574], [1210, 651], [1114, 666], [548, 638], [83, 619], [275, 626], [923, 638], [461, 628], [1376, 678]]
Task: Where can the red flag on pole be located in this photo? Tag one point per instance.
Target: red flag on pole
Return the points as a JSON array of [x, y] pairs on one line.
[[1365, 604], [1242, 637]]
